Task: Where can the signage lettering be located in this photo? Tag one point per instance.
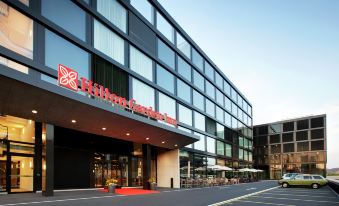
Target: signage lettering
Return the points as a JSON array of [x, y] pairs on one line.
[[69, 78]]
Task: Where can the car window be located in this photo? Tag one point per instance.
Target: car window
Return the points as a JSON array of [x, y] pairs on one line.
[[317, 178], [298, 177], [307, 177]]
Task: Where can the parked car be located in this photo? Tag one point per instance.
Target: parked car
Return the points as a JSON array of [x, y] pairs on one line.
[[315, 181], [288, 176]]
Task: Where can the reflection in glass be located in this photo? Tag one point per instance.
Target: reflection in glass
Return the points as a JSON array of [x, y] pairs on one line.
[[146, 97], [184, 69], [185, 115], [198, 100], [165, 28], [144, 8], [184, 91], [183, 46], [166, 54], [165, 79], [113, 12], [140, 63]]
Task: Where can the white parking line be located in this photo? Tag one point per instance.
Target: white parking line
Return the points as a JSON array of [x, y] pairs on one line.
[[242, 197], [305, 200], [61, 200], [299, 195], [264, 203]]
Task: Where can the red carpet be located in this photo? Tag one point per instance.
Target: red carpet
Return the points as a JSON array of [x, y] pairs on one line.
[[132, 191]]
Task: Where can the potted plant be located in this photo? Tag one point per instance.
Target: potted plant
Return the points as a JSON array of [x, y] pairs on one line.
[[153, 183], [111, 184]]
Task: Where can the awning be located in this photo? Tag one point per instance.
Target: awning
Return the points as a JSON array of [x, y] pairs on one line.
[[21, 94]]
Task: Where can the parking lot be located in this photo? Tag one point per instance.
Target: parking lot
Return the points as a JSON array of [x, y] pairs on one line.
[[290, 197]]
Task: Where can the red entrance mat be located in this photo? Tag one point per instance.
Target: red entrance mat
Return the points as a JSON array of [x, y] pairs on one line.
[[132, 191]]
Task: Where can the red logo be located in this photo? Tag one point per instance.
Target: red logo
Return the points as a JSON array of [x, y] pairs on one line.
[[67, 77]]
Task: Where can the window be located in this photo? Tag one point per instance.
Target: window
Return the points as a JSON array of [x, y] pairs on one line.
[[240, 101], [144, 8], [210, 90], [167, 105], [141, 64], [241, 154], [198, 80], [234, 95], [197, 59], [184, 91], [317, 122], [228, 104], [166, 54], [211, 126], [60, 12], [302, 135], [220, 131], [108, 42], [228, 119], [183, 46], [220, 148], [288, 126], [317, 134], [317, 178], [228, 150], [220, 114], [218, 80], [165, 28], [220, 97], [146, 97], [199, 121], [165, 79], [275, 138], [184, 69], [200, 145], [246, 155], [287, 137], [113, 12], [185, 115], [198, 100], [68, 54], [234, 109], [302, 124], [210, 108], [210, 145], [234, 123], [16, 33], [317, 145], [275, 148], [249, 110], [246, 143], [209, 71], [274, 128], [288, 147], [241, 141], [14, 65], [250, 157], [302, 146], [227, 88]]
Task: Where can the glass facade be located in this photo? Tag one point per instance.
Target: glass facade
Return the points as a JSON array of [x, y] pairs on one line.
[[113, 12], [165, 79], [140, 63]]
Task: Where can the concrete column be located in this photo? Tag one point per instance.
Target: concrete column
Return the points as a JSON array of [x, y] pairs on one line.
[[38, 157], [167, 168], [146, 153], [48, 188]]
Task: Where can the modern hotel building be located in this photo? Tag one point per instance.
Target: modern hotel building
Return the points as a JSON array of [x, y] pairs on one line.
[[294, 145], [99, 89]]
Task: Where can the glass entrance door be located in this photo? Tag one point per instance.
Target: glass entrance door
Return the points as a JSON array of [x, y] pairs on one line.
[[21, 176]]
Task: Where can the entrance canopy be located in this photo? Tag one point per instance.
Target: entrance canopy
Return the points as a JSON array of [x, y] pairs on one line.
[[65, 108]]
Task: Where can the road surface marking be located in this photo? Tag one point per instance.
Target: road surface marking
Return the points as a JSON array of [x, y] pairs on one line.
[[264, 203], [285, 198], [310, 195]]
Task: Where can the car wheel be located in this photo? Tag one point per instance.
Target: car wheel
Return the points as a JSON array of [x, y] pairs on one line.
[[284, 185], [315, 186]]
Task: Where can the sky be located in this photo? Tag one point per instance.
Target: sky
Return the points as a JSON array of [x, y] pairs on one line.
[[283, 55]]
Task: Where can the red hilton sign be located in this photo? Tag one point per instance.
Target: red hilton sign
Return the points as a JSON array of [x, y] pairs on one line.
[[69, 78]]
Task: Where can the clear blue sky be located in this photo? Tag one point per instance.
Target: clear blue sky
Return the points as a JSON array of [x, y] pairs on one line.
[[282, 55]]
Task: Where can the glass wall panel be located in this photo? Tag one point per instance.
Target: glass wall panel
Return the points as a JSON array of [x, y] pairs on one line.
[[197, 59], [210, 90], [234, 95], [165, 79], [241, 154], [220, 114], [200, 166], [227, 88], [302, 135], [199, 121], [198, 100], [219, 80], [186, 164], [146, 97], [317, 145], [317, 122], [184, 69], [317, 134], [210, 145], [76, 25], [16, 31], [287, 137], [113, 12], [68, 54], [219, 97], [200, 145], [166, 54], [185, 115], [183, 46], [220, 131], [228, 104], [220, 148], [275, 138], [288, 147], [211, 126], [165, 28], [109, 43], [241, 141], [288, 126], [184, 91], [302, 146], [209, 71], [234, 109], [228, 150], [302, 124], [140, 63], [228, 119], [210, 108], [144, 8], [14, 65], [274, 128], [198, 80], [167, 105]]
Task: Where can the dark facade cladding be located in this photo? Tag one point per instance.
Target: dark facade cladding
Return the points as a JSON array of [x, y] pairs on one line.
[[294, 145], [54, 138]]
